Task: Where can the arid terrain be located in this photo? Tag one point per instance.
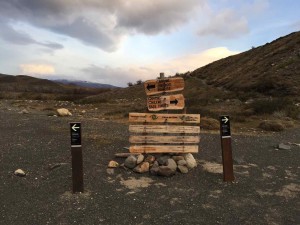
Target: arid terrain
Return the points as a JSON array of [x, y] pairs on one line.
[[258, 89], [265, 191]]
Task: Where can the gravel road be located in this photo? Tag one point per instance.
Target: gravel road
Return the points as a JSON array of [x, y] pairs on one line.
[[266, 190]]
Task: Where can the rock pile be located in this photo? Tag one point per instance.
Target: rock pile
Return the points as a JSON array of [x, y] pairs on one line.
[[162, 165]]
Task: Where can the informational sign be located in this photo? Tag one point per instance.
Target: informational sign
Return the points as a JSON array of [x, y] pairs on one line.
[[77, 162], [164, 118], [226, 148], [165, 102], [159, 86], [225, 126], [75, 128]]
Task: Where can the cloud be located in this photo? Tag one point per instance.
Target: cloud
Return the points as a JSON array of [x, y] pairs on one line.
[[10, 34], [121, 76], [101, 23], [37, 69], [226, 24]]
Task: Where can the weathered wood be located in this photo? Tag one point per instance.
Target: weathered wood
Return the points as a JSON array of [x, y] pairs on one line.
[[164, 118], [164, 149], [125, 154], [153, 87], [165, 102], [172, 129], [165, 139]]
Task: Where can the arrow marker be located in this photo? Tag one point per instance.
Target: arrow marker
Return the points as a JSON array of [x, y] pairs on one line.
[[150, 86], [225, 119], [174, 102], [74, 127]]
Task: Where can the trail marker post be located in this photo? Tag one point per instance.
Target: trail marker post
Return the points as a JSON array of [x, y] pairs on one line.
[[76, 152], [226, 148]]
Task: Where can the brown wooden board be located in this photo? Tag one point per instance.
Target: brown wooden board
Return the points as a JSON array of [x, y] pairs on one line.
[[164, 139], [159, 86], [164, 118], [165, 102], [164, 149], [164, 129]]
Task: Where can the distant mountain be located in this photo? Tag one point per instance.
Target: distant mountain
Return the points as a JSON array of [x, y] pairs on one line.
[[86, 84], [27, 87]]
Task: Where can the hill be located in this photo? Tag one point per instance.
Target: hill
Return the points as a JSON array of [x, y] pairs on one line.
[[85, 84], [272, 69], [27, 87]]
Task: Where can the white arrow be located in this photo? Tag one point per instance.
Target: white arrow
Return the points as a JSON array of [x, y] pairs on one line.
[[225, 119], [74, 127]]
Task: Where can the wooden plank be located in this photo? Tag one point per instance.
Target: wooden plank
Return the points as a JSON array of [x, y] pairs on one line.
[[165, 139], [164, 129], [164, 149], [165, 102], [164, 118], [159, 86]]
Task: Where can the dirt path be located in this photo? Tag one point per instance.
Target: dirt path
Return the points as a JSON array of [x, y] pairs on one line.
[[266, 190]]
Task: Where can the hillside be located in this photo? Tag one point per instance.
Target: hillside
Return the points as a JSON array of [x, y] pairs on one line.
[[27, 87], [272, 69], [85, 84]]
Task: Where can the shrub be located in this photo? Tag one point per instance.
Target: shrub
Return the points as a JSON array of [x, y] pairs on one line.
[[271, 126], [268, 106], [209, 123]]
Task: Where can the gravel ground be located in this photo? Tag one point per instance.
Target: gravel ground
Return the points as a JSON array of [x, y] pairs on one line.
[[266, 190]]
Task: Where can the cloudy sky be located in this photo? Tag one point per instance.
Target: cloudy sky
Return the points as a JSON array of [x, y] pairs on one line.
[[121, 41]]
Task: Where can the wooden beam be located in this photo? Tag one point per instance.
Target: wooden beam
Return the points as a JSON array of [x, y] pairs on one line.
[[164, 139], [159, 86], [164, 149], [172, 129], [164, 118]]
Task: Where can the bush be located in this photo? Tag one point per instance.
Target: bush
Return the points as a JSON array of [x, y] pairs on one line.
[[209, 123], [271, 126]]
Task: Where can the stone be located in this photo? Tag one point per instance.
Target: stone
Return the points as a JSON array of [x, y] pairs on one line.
[[181, 162], [171, 164], [130, 162], [24, 111], [163, 160], [110, 171], [20, 173], [282, 146], [190, 160], [63, 112], [154, 168], [113, 164], [178, 157], [183, 169], [142, 168], [140, 158], [150, 159], [165, 171]]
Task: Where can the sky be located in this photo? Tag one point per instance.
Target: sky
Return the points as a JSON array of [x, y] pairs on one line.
[[121, 41]]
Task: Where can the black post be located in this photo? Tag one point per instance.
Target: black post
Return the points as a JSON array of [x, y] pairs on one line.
[[76, 152], [226, 148]]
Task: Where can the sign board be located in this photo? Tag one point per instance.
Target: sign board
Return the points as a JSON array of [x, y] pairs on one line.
[[160, 129], [163, 149], [225, 126], [159, 86], [148, 139], [75, 128], [164, 118], [165, 102]]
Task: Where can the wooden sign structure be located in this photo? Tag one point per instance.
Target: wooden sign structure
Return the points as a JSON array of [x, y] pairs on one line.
[[157, 103], [164, 133], [179, 143]]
